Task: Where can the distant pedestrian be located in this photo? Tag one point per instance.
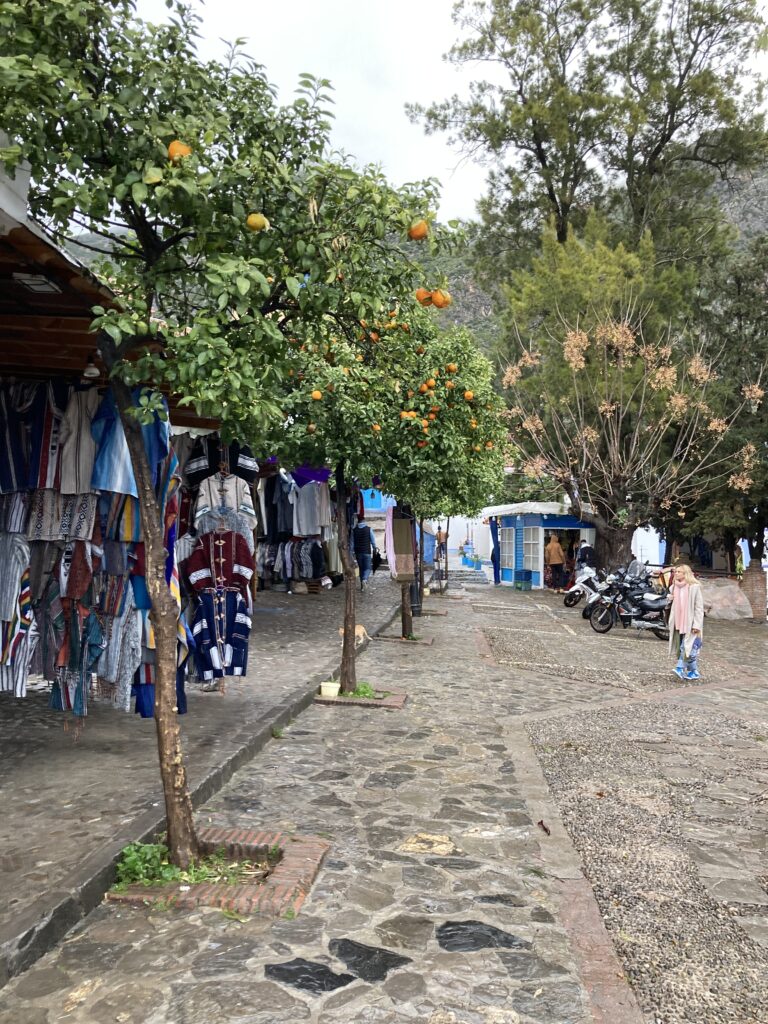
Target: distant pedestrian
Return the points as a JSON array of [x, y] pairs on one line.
[[586, 555], [739, 567], [441, 539], [686, 622], [554, 557], [364, 544]]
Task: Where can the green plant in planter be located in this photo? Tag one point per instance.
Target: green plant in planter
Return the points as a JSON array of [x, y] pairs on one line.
[[149, 864]]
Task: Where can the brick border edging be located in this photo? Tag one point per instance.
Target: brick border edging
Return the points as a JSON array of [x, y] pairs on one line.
[[283, 890], [39, 926], [610, 996]]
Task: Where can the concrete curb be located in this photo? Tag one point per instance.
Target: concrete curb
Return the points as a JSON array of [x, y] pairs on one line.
[[41, 925]]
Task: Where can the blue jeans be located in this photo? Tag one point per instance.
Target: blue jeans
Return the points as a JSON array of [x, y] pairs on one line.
[[690, 666], [365, 564]]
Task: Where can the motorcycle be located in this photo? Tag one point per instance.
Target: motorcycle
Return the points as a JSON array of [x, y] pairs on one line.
[[628, 601], [587, 580]]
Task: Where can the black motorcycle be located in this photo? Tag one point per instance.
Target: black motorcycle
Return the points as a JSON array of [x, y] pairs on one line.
[[628, 601]]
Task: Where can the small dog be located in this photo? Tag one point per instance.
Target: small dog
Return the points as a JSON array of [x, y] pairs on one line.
[[361, 635]]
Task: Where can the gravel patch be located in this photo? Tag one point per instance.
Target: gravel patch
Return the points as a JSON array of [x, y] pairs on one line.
[[629, 783], [605, 661]]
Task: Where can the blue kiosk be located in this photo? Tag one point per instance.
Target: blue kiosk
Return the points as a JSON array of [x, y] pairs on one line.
[[522, 528]]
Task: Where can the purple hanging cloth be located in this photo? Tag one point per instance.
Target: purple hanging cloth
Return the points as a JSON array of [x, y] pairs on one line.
[[310, 474]]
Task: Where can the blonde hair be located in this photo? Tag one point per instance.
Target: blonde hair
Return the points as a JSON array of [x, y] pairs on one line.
[[687, 572]]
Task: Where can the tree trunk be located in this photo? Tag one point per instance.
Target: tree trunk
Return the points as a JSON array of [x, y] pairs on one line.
[[447, 532], [754, 588], [421, 561], [164, 614], [405, 610], [613, 546], [347, 673]]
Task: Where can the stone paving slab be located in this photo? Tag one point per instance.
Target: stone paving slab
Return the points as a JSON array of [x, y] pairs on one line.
[[434, 903], [440, 901], [68, 807]]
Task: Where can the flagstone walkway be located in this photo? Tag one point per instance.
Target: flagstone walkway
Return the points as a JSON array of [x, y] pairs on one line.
[[552, 831]]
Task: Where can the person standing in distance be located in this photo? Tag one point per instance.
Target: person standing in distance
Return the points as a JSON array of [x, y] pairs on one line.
[[686, 621], [363, 544], [586, 555]]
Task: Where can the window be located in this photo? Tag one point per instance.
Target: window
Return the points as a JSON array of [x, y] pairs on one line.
[[507, 547], [531, 535]]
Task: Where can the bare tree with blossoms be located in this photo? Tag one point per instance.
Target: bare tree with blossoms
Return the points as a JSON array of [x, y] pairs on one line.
[[633, 432]]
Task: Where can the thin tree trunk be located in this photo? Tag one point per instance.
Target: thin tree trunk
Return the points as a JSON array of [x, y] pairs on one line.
[[447, 532], [754, 588], [164, 614], [347, 671], [405, 610], [421, 561]]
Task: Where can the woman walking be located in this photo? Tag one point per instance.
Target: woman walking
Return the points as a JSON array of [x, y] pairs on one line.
[[686, 621]]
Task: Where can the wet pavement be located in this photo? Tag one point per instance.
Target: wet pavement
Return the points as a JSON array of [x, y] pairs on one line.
[[460, 827]]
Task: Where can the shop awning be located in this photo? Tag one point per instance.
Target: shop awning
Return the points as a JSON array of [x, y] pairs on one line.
[[46, 297]]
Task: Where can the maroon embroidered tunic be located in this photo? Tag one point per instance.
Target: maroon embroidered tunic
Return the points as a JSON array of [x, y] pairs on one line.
[[221, 561]]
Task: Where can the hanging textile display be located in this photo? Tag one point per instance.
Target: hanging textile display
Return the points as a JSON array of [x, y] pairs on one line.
[[75, 609], [70, 535], [400, 546]]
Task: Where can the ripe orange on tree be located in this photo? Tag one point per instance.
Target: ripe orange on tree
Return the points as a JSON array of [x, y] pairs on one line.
[[375, 428], [317, 395], [423, 389], [403, 415], [422, 444], [451, 367], [177, 150], [469, 395], [489, 445], [257, 222], [418, 231], [424, 296], [311, 428], [450, 384], [441, 298], [431, 383]]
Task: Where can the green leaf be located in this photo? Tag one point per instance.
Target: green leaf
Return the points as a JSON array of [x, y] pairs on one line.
[[243, 285], [152, 176], [139, 192], [293, 286]]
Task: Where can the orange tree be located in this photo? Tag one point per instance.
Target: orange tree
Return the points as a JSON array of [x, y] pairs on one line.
[[221, 224], [444, 442], [393, 397], [345, 385]]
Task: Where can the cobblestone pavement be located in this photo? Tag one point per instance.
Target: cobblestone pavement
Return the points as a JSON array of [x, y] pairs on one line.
[[442, 900], [64, 799]]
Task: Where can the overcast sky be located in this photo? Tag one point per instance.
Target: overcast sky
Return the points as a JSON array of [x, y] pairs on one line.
[[379, 56]]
